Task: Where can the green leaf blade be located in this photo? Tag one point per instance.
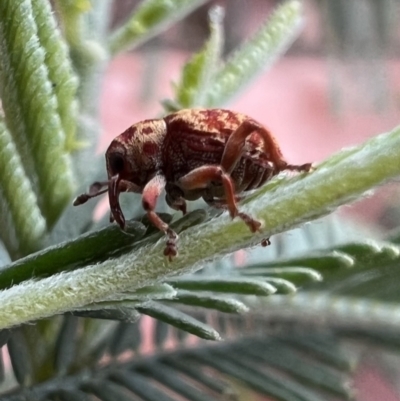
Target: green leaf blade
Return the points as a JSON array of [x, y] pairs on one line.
[[150, 18], [296, 275], [179, 319], [271, 40], [244, 286], [199, 70], [65, 83], [222, 304], [19, 198], [325, 261], [31, 108]]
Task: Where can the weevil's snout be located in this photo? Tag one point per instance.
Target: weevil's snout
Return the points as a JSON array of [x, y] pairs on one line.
[[113, 198], [118, 169]]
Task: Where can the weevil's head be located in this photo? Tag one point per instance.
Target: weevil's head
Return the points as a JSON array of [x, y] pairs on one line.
[[133, 158]]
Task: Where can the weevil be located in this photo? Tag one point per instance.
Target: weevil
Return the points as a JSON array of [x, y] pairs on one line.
[[213, 154]]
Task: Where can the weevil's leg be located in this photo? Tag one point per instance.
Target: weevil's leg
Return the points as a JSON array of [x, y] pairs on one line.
[[217, 203], [302, 168], [201, 177], [265, 242], [176, 204], [127, 186], [220, 203], [175, 199], [95, 189], [151, 193], [236, 142]]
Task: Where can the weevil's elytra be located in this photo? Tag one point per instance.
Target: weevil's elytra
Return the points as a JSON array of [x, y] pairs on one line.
[[213, 154]]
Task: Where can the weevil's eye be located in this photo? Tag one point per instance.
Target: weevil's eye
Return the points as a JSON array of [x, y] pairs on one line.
[[117, 163]]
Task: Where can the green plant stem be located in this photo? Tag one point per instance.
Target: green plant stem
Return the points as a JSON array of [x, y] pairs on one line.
[[335, 182], [148, 19]]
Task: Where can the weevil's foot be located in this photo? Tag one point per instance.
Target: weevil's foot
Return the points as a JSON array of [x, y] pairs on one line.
[[302, 168], [117, 216], [265, 242], [171, 249], [183, 208], [253, 224]]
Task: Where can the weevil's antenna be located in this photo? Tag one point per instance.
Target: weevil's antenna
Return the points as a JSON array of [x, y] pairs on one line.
[[94, 190]]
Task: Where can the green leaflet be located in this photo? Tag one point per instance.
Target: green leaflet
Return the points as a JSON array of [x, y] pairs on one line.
[[233, 285], [26, 225], [211, 301], [59, 67], [179, 319], [203, 85], [304, 371], [320, 261], [150, 18], [266, 382], [70, 12], [85, 25], [31, 108], [121, 311], [337, 310], [200, 69], [296, 275], [258, 53]]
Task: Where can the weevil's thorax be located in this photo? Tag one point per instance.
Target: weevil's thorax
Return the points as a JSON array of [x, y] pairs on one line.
[[136, 154]]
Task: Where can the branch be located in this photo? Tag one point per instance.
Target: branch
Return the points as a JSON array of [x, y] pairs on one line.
[[283, 204]]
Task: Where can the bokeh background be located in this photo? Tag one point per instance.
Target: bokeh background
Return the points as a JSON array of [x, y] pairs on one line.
[[338, 85]]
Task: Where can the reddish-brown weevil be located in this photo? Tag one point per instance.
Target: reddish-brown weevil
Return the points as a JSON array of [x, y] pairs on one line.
[[212, 154]]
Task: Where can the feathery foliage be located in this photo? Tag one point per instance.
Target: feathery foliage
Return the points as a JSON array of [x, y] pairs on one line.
[[89, 290]]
